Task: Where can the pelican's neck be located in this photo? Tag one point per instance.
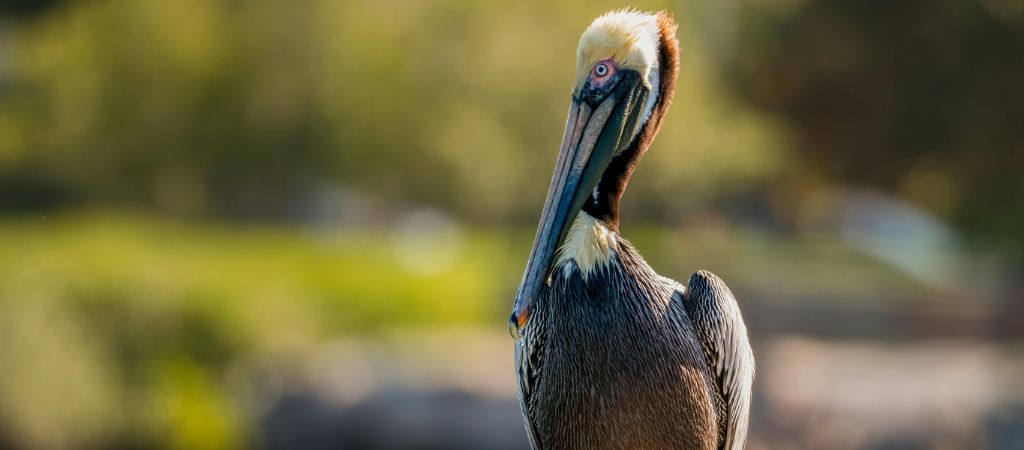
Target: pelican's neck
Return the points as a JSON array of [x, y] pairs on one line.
[[603, 203]]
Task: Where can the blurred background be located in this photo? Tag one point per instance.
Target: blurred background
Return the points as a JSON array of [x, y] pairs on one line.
[[264, 224]]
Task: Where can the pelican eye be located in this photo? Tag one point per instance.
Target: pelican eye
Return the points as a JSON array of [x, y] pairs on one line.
[[603, 76]]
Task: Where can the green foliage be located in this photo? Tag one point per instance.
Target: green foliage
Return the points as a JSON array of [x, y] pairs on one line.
[[239, 108], [123, 329]]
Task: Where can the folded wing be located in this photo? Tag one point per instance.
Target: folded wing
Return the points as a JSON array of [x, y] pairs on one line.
[[715, 315]]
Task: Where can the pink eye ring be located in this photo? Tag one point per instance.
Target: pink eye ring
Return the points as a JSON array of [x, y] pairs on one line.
[[602, 73], [602, 70]]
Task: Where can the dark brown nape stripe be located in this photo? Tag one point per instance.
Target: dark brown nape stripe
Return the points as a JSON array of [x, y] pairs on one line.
[[613, 183]]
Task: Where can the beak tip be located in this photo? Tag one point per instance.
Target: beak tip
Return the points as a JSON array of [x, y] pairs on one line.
[[516, 322], [513, 326]]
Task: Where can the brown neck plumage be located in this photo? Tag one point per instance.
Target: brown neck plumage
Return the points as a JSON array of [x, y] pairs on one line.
[[605, 207]]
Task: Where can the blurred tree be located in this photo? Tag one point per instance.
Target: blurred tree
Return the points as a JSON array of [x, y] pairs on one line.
[[921, 99], [26, 8], [240, 108], [171, 105]]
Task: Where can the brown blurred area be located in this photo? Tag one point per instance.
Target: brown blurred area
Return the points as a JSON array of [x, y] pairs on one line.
[[282, 225]]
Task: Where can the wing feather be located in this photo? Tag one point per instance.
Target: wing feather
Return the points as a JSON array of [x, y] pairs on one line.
[[529, 354], [715, 314]]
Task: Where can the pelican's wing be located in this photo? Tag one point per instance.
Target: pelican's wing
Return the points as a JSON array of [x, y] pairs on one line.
[[529, 357], [715, 315]]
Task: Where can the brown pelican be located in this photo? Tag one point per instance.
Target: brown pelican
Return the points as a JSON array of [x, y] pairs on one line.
[[608, 353]]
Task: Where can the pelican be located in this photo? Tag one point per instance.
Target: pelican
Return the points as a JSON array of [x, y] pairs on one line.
[[609, 354]]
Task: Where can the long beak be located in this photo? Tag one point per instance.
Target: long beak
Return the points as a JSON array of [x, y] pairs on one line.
[[595, 132]]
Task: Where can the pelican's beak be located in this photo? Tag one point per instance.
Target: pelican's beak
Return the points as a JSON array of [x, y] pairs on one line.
[[600, 125]]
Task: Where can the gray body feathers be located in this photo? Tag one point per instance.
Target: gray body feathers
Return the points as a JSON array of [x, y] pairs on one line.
[[624, 358]]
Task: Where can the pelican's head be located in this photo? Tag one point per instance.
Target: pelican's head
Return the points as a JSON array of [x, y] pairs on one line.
[[626, 66]]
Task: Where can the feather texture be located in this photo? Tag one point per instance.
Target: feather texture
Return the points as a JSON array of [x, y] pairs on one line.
[[614, 361], [712, 308]]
